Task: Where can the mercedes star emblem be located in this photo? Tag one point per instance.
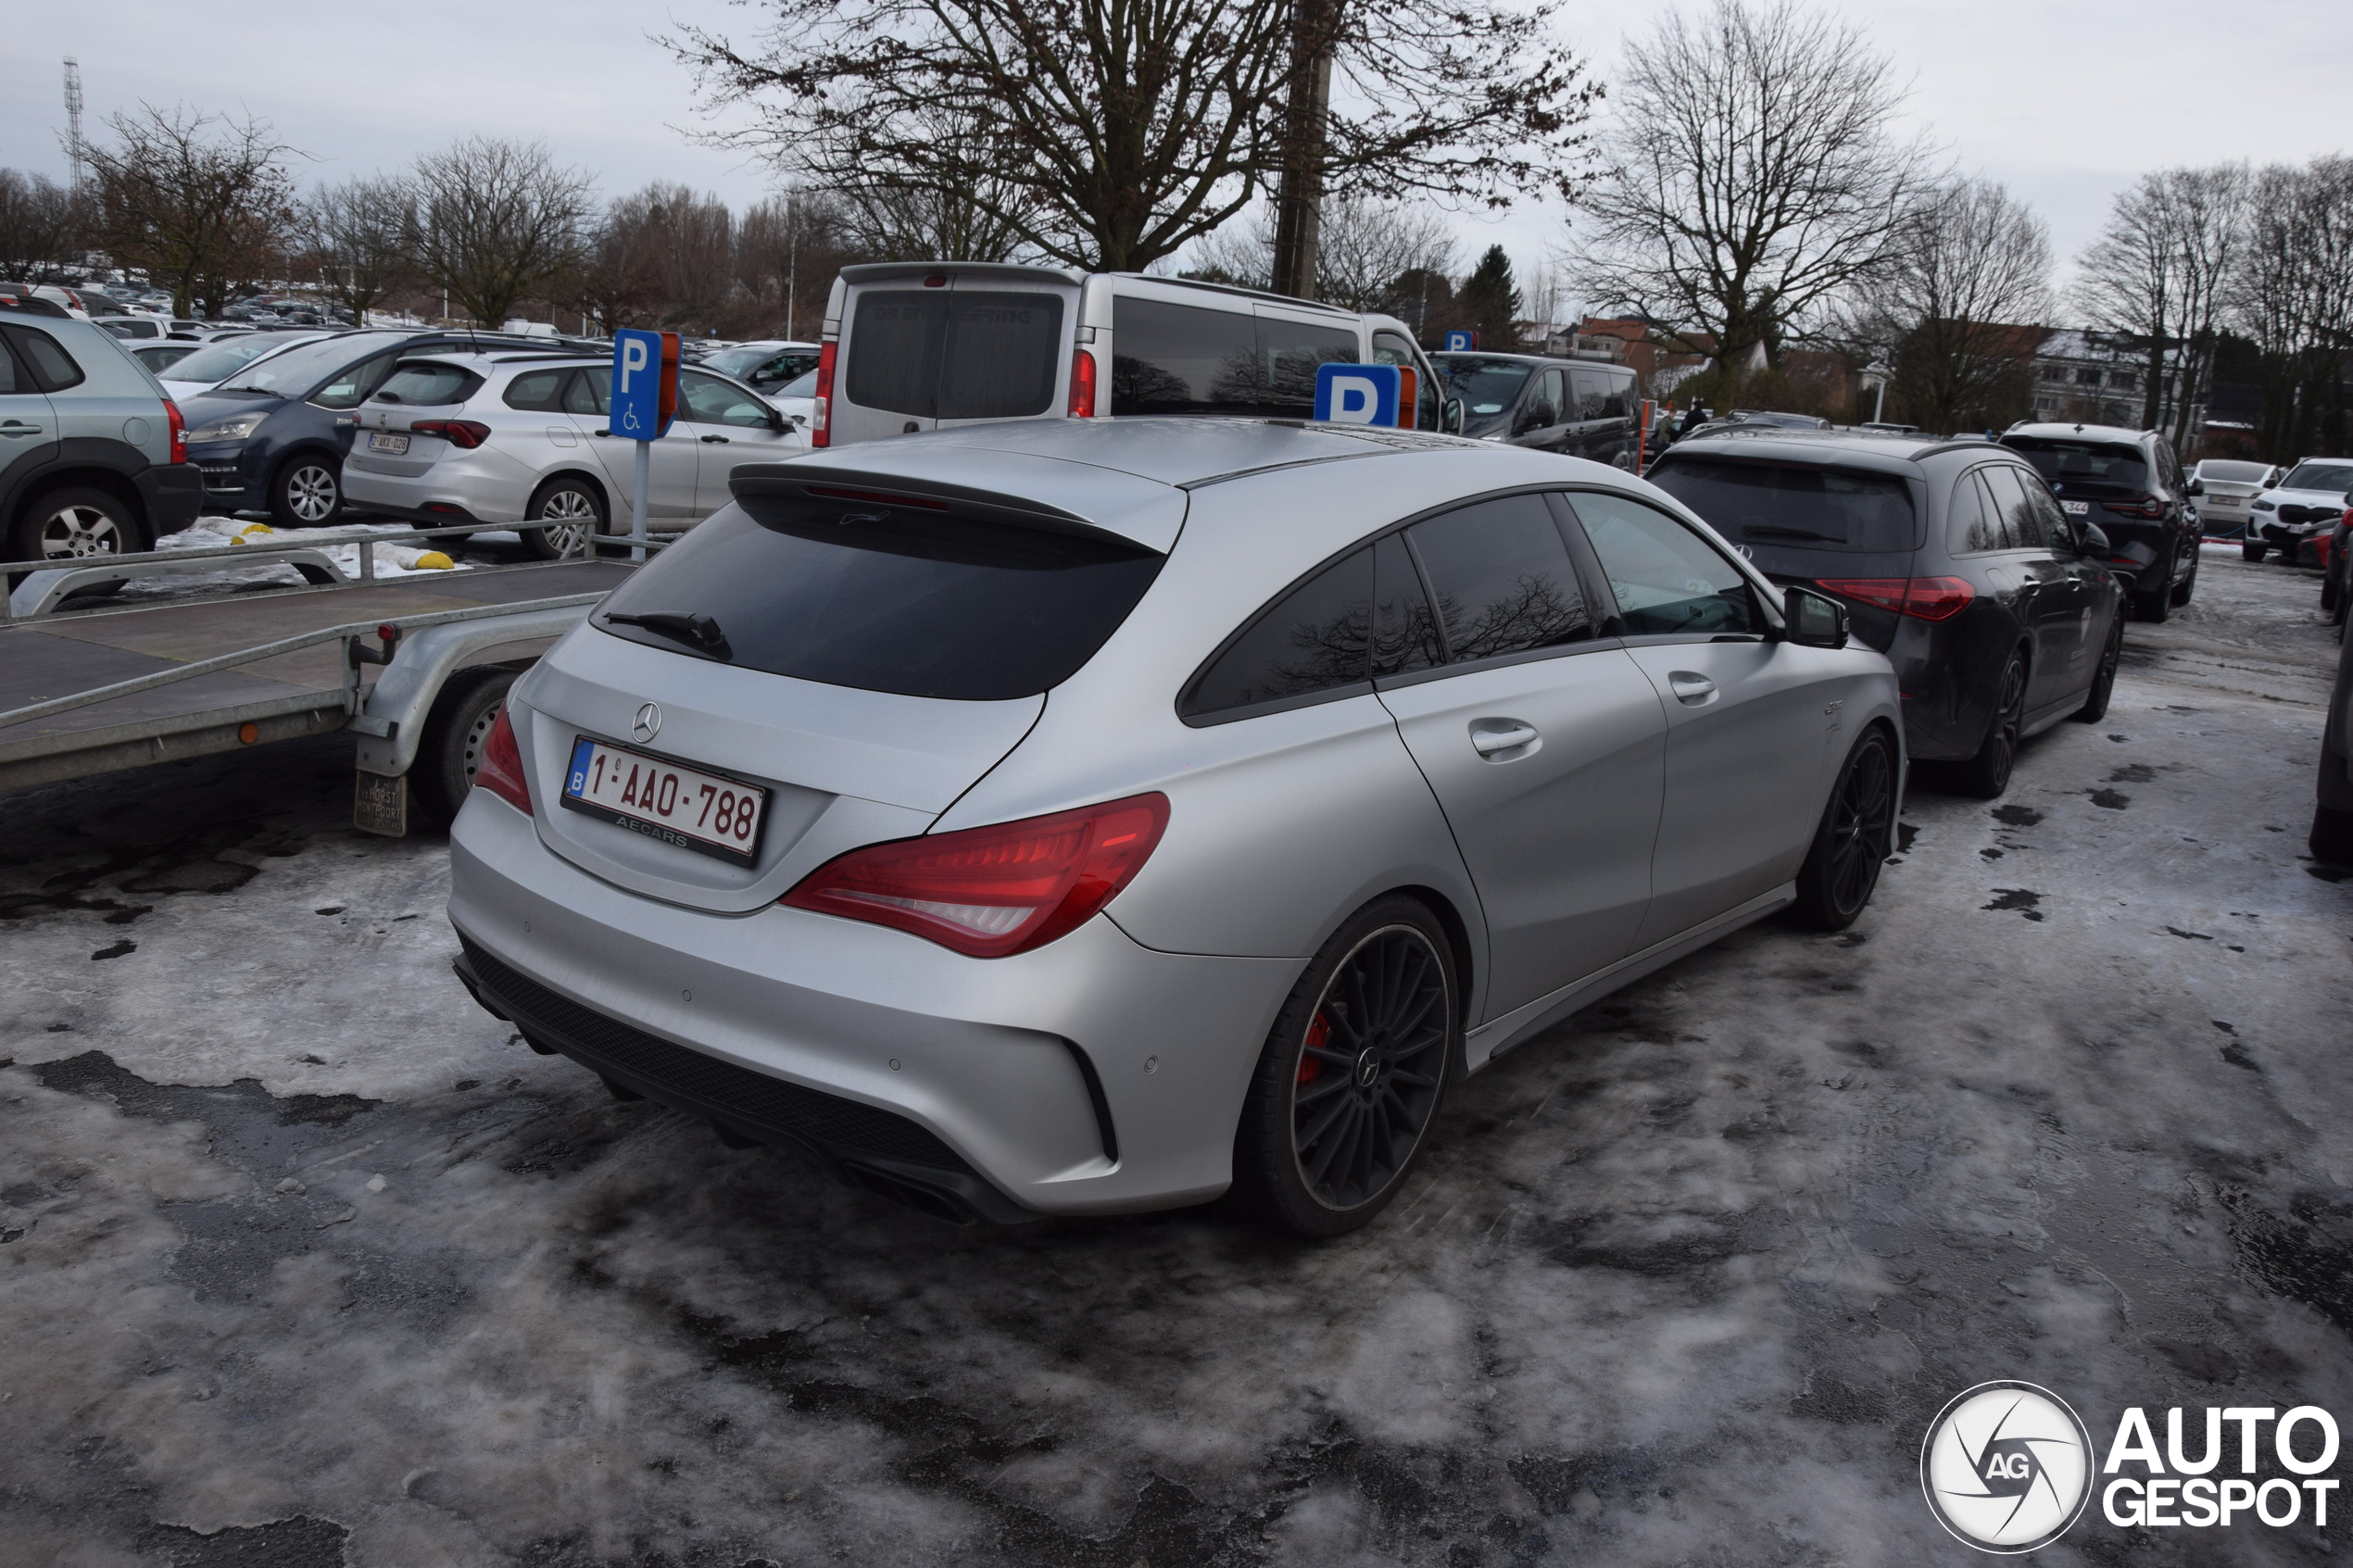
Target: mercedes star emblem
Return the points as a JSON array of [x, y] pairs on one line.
[[648, 723]]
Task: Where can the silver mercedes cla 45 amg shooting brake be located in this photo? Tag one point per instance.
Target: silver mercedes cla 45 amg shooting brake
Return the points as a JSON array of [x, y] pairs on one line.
[[1086, 816]]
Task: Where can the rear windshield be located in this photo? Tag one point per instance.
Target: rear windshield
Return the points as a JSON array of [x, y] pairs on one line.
[[2231, 474], [2319, 476], [2084, 468], [1486, 386], [1795, 506], [955, 354], [890, 597], [426, 383]]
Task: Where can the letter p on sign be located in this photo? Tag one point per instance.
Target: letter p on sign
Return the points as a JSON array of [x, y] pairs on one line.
[[1357, 394]]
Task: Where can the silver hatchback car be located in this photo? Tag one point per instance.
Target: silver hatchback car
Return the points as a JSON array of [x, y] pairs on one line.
[[1086, 816]]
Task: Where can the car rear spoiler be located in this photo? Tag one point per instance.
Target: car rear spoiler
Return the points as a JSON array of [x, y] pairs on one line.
[[1119, 509]]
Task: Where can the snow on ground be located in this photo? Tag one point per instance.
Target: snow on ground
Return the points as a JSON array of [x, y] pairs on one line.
[[305, 1259]]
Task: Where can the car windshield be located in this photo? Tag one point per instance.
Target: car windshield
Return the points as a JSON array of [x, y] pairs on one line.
[[2233, 474], [1790, 507], [231, 355], [295, 372], [2333, 477], [1486, 386], [2086, 468]]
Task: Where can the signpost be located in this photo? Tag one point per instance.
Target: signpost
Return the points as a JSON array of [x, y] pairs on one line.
[[1358, 395], [645, 400]]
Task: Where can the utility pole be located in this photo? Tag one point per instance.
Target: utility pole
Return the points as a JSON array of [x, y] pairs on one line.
[[792, 253], [75, 162], [1299, 205]]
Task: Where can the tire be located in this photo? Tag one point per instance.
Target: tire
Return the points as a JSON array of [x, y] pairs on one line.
[[1987, 775], [1339, 1110], [76, 523], [1853, 840], [2095, 707], [2187, 586], [2330, 594], [307, 492], [450, 747], [581, 511], [2252, 549], [2332, 838]]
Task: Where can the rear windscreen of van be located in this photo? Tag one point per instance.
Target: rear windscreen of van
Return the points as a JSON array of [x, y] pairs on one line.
[[1182, 360], [889, 598], [955, 354], [1796, 507]]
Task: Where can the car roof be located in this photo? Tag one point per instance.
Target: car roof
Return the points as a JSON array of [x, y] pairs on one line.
[[1866, 448]]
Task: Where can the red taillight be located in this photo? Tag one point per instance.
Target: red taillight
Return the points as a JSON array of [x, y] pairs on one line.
[[466, 433], [2145, 506], [994, 891], [178, 431], [1082, 384], [500, 771], [825, 400], [1923, 599]]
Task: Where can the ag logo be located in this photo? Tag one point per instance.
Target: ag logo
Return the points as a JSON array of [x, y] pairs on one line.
[[2006, 1467]]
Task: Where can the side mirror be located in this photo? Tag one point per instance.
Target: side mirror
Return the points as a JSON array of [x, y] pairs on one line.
[[2091, 541], [779, 420], [1812, 620], [1452, 416], [2197, 486]]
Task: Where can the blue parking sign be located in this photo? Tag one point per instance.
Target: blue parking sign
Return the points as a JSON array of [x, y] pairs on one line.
[[1461, 342], [1357, 394], [639, 369]]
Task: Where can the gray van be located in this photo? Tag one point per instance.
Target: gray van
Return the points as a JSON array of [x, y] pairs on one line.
[[1579, 408], [919, 345]]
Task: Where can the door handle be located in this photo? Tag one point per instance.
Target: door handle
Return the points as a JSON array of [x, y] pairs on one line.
[[600, 433], [17, 427], [1691, 687], [714, 441], [1487, 742]]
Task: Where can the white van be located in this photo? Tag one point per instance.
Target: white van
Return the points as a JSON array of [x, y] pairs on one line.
[[921, 345]]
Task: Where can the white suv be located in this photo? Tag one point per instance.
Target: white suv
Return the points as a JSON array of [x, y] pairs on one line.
[[512, 437]]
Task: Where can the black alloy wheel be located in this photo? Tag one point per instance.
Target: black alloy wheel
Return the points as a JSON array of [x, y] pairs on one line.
[[1352, 1074], [1987, 775], [1842, 869], [2095, 707]]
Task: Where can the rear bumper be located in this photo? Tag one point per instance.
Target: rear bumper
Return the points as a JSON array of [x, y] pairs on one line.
[[484, 494], [173, 494], [1091, 1075]]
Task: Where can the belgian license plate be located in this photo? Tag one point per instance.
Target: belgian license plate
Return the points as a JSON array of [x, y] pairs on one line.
[[677, 805], [396, 444], [2077, 509]]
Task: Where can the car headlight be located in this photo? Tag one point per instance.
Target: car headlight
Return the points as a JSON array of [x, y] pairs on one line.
[[235, 428], [2266, 505]]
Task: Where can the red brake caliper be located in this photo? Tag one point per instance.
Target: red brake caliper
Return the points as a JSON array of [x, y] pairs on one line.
[[1317, 1033]]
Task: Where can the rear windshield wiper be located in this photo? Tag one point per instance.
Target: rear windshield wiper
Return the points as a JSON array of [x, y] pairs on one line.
[[696, 630], [1769, 531]]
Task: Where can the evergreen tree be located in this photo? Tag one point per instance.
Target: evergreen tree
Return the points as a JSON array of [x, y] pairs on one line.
[[1488, 301]]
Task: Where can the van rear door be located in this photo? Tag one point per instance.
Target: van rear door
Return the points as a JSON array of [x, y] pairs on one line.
[[926, 347]]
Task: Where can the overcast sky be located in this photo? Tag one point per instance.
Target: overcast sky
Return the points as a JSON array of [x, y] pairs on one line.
[[2064, 101]]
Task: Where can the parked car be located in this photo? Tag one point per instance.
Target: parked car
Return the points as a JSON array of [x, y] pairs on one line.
[[2130, 484], [1368, 756], [92, 462], [1581, 407], [2229, 490], [274, 434], [220, 358], [767, 366], [2336, 568], [925, 346], [161, 356], [1998, 611], [509, 437], [2291, 517], [136, 329]]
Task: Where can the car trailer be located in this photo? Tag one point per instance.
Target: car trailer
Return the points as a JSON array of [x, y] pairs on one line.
[[415, 666]]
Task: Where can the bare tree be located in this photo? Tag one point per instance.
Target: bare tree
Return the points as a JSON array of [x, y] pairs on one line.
[[1751, 177], [497, 222], [1369, 248], [788, 251], [199, 201], [1109, 133], [358, 233], [2156, 274], [1955, 308], [2292, 294], [41, 225]]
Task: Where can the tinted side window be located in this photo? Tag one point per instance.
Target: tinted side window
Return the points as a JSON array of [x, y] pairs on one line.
[[589, 391], [1181, 359], [1404, 630], [1313, 639], [2020, 528], [1666, 579], [536, 393], [1390, 349], [53, 368], [895, 338], [2056, 530], [1548, 405], [1970, 525], [10, 380], [1003, 354], [1503, 579], [1288, 355], [1599, 395]]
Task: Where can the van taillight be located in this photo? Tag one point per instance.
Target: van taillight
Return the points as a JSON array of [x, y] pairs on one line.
[[817, 436], [1082, 384]]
